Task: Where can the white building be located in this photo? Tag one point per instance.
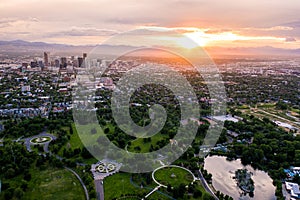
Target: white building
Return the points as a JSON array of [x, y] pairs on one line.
[[293, 188]]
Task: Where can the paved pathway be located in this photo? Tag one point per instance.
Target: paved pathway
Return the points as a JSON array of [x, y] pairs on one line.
[[81, 182], [46, 144], [157, 187], [205, 185], [99, 189], [99, 176]]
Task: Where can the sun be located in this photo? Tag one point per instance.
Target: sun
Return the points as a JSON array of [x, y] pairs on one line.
[[202, 39], [193, 39]]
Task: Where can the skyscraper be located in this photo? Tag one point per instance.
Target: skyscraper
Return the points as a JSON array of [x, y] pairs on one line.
[[80, 61], [63, 62], [41, 65], [56, 62], [46, 58]]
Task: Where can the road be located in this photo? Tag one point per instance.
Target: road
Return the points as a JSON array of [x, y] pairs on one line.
[[81, 182], [99, 189], [205, 185]]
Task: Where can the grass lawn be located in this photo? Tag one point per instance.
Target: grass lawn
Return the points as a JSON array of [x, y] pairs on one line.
[[75, 141], [243, 107], [119, 185], [49, 184], [54, 184], [164, 176], [266, 105], [145, 146], [295, 110]]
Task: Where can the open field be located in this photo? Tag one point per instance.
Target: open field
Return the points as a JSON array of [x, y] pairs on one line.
[[54, 184], [145, 146], [173, 176], [50, 184], [119, 185], [270, 111], [75, 141]]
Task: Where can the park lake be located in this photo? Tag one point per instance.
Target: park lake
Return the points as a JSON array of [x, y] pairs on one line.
[[223, 172]]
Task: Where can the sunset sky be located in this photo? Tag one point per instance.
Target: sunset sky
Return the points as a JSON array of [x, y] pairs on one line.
[[229, 23]]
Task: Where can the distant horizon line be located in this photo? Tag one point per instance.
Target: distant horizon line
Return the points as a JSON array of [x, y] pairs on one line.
[[92, 45]]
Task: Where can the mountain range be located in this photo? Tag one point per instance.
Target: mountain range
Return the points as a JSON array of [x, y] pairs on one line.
[[21, 46]]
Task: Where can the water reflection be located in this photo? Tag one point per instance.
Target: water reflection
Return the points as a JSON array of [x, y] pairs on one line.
[[223, 172]]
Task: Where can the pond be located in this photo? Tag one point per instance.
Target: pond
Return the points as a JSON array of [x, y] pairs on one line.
[[223, 172]]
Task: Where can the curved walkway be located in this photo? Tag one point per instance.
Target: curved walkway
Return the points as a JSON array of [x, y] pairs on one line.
[[81, 182], [205, 185], [162, 185], [28, 142]]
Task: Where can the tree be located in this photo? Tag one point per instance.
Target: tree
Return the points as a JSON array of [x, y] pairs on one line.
[[24, 185], [296, 179], [179, 191], [86, 154], [10, 173], [18, 193], [281, 105], [297, 157], [197, 194], [222, 139], [169, 188], [71, 130], [207, 196], [8, 194], [27, 175]]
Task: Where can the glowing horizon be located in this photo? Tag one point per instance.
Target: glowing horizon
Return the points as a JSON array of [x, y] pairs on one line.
[[244, 24]]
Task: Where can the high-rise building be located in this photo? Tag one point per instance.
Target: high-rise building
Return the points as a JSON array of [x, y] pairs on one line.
[[41, 64], [63, 62], [46, 58], [56, 63], [80, 61], [34, 64]]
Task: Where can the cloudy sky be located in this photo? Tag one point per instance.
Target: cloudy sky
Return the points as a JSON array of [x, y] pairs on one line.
[[209, 22]]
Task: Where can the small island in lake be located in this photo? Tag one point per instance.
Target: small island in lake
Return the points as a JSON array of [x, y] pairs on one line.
[[244, 181]]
